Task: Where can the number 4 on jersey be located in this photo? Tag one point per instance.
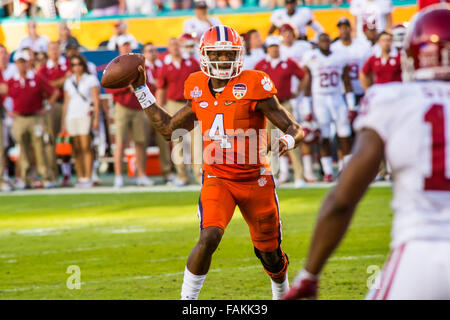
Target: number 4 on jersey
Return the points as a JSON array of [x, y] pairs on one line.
[[217, 132]]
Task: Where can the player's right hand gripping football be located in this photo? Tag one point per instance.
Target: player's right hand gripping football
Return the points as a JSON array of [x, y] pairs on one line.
[[305, 286], [141, 79]]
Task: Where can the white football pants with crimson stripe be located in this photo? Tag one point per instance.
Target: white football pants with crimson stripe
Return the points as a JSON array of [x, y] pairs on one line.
[[416, 270]]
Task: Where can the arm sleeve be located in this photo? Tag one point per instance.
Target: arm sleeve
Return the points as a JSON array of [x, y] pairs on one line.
[[374, 113]]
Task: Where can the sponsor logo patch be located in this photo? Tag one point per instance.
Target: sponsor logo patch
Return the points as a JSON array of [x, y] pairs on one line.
[[239, 90], [203, 104], [196, 93]]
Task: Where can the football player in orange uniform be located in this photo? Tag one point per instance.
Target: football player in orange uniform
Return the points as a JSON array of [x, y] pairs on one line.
[[231, 106]]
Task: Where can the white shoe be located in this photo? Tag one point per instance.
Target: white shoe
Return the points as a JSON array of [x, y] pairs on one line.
[[144, 181], [6, 187], [178, 183], [20, 185], [118, 182], [49, 184], [299, 183], [85, 184]]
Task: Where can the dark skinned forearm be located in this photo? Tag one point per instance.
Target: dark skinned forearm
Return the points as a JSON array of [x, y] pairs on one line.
[[338, 208], [166, 124], [281, 118]]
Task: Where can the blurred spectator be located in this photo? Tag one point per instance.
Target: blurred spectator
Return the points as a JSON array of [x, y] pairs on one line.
[[300, 18], [370, 33], [71, 50], [153, 65], [71, 9], [377, 11], [33, 41], [189, 46], [281, 70], [55, 71], [120, 32], [290, 46], [65, 37], [384, 66], [357, 52], [28, 92], [40, 60], [201, 22], [81, 113], [170, 95], [234, 4], [140, 6], [102, 8], [399, 34], [254, 50], [181, 4], [128, 116]]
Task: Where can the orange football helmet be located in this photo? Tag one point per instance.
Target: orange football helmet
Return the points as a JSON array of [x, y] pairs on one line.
[[221, 38]]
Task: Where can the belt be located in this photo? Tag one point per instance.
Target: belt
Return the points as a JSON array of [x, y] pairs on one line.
[[27, 114]]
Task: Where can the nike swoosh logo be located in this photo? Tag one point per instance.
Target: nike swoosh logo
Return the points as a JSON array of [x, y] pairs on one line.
[[211, 176], [228, 103]]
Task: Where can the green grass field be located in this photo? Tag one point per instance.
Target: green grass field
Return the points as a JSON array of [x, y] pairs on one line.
[[135, 246]]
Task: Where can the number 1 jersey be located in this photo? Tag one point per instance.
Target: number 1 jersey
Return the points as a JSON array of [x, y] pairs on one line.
[[413, 120], [234, 134]]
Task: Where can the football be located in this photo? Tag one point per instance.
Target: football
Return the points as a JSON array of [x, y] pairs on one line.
[[122, 70]]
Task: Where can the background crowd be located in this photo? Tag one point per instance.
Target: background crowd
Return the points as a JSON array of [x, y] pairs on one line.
[[54, 116]]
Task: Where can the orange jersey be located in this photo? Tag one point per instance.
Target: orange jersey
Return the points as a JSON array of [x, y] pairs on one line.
[[234, 133]]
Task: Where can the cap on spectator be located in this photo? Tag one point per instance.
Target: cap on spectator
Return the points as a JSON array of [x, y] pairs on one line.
[[290, 1], [21, 55], [123, 39], [200, 4], [71, 44], [343, 21], [272, 41]]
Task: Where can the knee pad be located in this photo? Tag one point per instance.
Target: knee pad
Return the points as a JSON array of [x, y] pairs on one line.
[[274, 270]]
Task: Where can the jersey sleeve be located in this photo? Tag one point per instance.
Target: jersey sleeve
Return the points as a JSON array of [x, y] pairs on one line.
[[376, 112], [260, 86]]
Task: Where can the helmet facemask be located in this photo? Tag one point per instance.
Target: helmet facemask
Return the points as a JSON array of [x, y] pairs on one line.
[[214, 68]]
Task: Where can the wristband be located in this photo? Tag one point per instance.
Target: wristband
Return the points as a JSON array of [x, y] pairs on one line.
[[289, 141], [306, 105], [351, 100], [144, 96]]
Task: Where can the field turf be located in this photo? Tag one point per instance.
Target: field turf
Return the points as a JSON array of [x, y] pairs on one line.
[[135, 246]]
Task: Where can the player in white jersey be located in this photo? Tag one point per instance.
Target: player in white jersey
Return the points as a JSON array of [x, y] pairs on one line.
[[327, 72], [296, 50], [300, 18], [357, 52], [410, 123]]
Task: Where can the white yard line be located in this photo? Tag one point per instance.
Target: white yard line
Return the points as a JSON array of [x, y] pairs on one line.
[[134, 189]]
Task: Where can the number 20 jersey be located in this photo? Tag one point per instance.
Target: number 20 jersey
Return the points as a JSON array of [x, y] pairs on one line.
[[227, 122], [413, 120], [326, 71]]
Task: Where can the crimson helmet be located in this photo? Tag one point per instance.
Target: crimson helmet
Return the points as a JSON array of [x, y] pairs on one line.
[[188, 44], [427, 45], [221, 38], [398, 35]]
